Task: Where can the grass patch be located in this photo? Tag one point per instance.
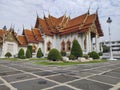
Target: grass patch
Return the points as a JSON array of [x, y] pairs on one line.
[[28, 59], [11, 59], [60, 63], [38, 59]]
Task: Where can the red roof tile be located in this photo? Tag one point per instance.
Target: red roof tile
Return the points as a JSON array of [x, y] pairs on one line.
[[64, 25], [2, 32], [76, 21], [30, 36], [22, 40], [37, 34], [45, 27]]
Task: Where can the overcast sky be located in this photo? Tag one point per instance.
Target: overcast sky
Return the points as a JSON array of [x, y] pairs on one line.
[[24, 12]]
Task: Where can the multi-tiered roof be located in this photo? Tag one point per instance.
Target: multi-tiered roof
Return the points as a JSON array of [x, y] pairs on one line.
[[63, 25]]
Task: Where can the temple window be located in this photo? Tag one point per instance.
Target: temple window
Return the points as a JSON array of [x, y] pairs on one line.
[[49, 46], [68, 45], [63, 46]]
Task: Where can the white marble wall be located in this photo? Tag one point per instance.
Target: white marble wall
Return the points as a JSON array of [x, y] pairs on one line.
[[5, 48]]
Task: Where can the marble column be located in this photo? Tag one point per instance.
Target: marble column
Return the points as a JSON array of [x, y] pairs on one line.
[[87, 43], [97, 43], [90, 42]]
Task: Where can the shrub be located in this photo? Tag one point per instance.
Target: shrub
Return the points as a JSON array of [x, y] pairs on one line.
[[21, 53], [39, 53], [106, 49], [86, 56], [54, 55], [94, 55], [63, 53], [28, 53], [22, 57], [100, 53], [76, 49], [8, 54], [72, 57], [30, 48]]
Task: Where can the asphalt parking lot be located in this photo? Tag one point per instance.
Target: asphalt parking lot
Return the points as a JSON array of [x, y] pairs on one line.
[[21, 75]]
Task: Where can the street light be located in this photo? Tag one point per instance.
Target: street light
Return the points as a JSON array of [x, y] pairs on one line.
[[109, 21]]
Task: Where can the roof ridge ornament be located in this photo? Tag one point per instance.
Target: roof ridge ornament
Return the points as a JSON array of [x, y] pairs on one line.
[[23, 27], [97, 10], [44, 15], [49, 14], [37, 14], [88, 10]]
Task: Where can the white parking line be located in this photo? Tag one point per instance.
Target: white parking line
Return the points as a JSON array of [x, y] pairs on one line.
[[8, 84], [116, 87], [42, 77]]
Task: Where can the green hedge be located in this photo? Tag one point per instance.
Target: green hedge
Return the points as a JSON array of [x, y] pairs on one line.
[[28, 53], [94, 55], [72, 57], [21, 53], [30, 48], [63, 53], [8, 54], [39, 53], [76, 49], [54, 55]]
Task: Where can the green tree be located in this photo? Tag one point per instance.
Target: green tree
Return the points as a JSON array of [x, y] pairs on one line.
[[30, 48], [28, 53], [39, 53], [63, 53], [8, 54], [106, 48], [21, 53], [54, 55], [76, 49], [94, 55], [4, 28]]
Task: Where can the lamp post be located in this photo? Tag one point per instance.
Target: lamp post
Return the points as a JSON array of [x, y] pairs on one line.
[[109, 21]]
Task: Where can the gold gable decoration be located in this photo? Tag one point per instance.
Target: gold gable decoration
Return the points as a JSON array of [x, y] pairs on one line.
[[10, 36], [93, 28]]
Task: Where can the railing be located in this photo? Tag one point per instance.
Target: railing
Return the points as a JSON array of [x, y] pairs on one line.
[[115, 55]]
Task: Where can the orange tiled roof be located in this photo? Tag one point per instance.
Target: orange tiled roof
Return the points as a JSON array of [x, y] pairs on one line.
[[29, 36], [65, 25], [2, 32], [50, 25], [37, 34], [76, 21], [22, 40], [44, 26], [90, 19]]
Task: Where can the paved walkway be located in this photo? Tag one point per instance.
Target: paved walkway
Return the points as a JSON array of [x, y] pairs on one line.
[[21, 75]]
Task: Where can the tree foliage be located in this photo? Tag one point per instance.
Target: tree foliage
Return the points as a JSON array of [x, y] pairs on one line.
[[8, 54], [94, 55], [39, 53], [63, 53], [54, 55], [21, 53], [30, 48], [4, 28], [28, 53], [76, 49], [106, 49]]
